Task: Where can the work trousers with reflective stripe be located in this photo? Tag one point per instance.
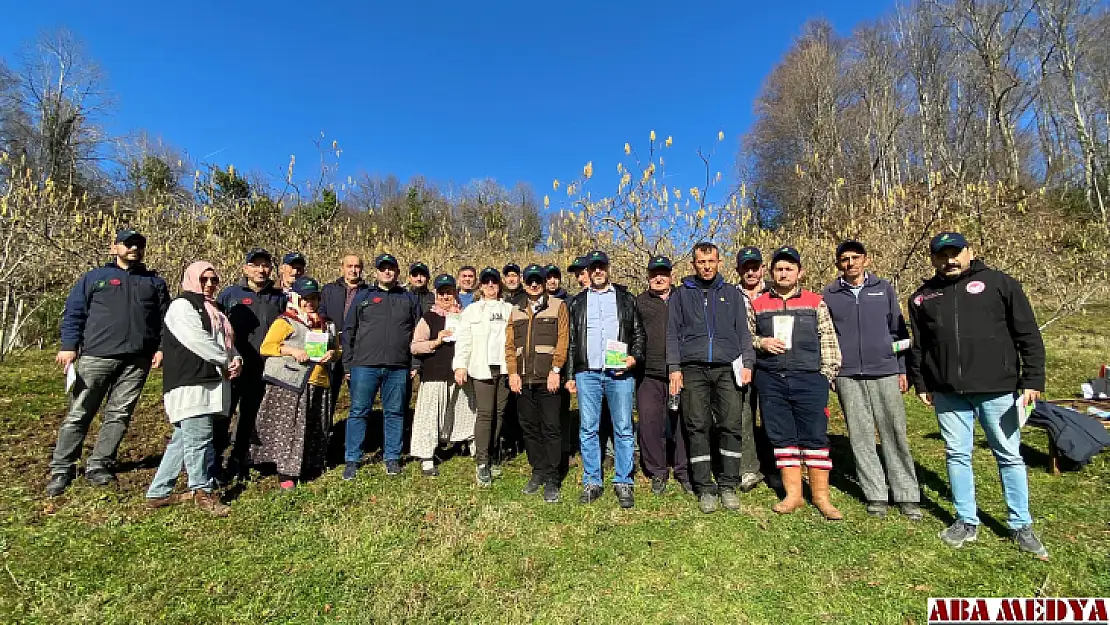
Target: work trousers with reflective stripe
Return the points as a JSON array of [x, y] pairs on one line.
[[795, 413], [710, 397]]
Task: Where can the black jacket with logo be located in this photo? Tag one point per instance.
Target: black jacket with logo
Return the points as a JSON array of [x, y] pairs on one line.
[[379, 328], [630, 332], [974, 334], [251, 313], [113, 311]]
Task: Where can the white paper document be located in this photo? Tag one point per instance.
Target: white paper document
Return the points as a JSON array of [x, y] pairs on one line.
[[452, 324], [738, 370], [784, 329], [71, 376]]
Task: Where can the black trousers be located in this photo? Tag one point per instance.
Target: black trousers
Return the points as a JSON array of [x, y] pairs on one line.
[[710, 397], [246, 398], [662, 441], [538, 412]]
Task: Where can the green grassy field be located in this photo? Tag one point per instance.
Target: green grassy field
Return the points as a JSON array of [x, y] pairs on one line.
[[437, 550]]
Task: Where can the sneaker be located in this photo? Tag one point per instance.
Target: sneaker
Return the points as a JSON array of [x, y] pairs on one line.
[[590, 493], [1028, 542], [58, 484], [658, 485], [533, 486], [551, 493], [877, 509], [392, 467], [911, 511], [495, 470], [350, 470], [624, 495], [748, 481], [959, 533], [708, 502], [101, 477], [729, 499], [483, 476]]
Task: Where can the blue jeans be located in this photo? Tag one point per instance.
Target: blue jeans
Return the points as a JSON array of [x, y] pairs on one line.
[[365, 382], [618, 392], [191, 447], [998, 415]]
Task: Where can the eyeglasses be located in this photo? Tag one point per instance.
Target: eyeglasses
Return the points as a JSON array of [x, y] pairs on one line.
[[207, 280]]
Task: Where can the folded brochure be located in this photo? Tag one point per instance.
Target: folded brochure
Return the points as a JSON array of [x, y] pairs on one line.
[[316, 344], [616, 355]]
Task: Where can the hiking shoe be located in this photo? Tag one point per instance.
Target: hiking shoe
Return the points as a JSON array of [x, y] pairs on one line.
[[877, 509], [350, 470], [749, 481], [658, 485], [624, 495], [101, 478], [590, 493], [495, 469], [1028, 542], [707, 502], [911, 511], [533, 486], [155, 503], [483, 476], [551, 493], [210, 503], [959, 533], [729, 499], [392, 467], [58, 484]]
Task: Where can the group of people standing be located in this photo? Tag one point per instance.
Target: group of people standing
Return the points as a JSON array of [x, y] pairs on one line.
[[699, 358]]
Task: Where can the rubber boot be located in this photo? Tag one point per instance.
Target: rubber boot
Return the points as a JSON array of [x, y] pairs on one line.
[[792, 482], [819, 486]]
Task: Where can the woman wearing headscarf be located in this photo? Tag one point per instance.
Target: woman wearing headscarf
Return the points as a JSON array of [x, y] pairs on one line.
[[444, 410], [199, 359], [291, 431], [480, 355]]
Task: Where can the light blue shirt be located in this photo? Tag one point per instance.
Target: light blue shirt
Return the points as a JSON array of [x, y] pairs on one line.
[[466, 299], [602, 324]]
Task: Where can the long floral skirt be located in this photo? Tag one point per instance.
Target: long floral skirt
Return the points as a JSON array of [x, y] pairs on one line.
[[444, 413], [292, 429]]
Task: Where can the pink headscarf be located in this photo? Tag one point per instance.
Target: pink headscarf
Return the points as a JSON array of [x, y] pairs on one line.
[[191, 283]]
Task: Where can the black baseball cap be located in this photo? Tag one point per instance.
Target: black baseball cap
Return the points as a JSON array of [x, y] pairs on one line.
[[511, 268], [596, 256], [293, 257], [659, 262], [305, 286], [128, 234], [850, 245], [787, 252], [386, 259], [419, 267], [489, 274], [255, 252], [445, 280], [552, 270], [577, 265], [749, 254], [534, 270], [947, 239]]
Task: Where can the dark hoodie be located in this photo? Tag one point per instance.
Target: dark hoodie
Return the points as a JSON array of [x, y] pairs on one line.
[[974, 334]]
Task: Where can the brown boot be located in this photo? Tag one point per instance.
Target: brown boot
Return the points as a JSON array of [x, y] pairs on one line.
[[172, 499], [819, 487], [210, 503], [792, 482]]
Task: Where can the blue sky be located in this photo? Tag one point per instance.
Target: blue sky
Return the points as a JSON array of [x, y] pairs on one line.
[[512, 90]]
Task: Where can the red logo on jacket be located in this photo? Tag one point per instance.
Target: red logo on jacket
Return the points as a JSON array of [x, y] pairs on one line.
[[115, 282], [377, 300], [247, 301]]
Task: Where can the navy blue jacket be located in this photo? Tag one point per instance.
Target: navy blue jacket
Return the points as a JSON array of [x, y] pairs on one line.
[[379, 326], [115, 312], [251, 313], [708, 327], [867, 327]]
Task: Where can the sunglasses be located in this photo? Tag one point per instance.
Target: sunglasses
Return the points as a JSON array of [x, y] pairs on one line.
[[207, 280], [491, 281], [533, 280]]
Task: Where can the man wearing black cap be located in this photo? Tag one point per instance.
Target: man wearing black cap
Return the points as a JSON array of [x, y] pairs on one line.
[[977, 355], [555, 282], [377, 335], [111, 331], [335, 302], [871, 380], [753, 281], [798, 358], [577, 268], [603, 316], [662, 443], [709, 356], [419, 275], [511, 287], [251, 305], [749, 264], [293, 266]]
